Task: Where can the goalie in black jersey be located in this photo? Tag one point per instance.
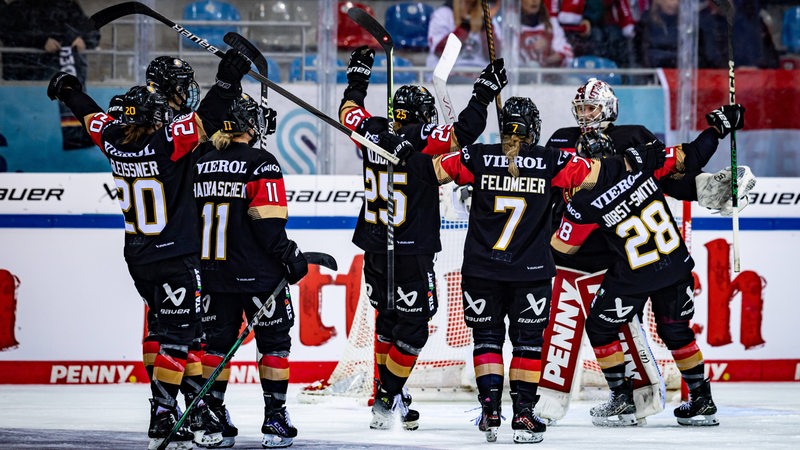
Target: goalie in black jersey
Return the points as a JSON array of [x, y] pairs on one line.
[[650, 261], [241, 201], [150, 155], [508, 266], [402, 332]]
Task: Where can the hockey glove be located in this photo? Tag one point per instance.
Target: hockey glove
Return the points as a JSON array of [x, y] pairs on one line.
[[396, 145], [726, 118], [360, 67], [646, 157], [295, 263], [490, 82], [270, 120], [232, 68], [594, 144], [61, 83]]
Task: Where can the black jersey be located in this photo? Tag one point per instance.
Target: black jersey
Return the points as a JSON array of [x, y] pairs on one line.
[[634, 218], [241, 200], [153, 179], [508, 238]]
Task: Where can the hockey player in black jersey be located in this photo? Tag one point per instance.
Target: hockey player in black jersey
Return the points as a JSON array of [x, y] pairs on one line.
[[402, 332], [241, 202], [174, 77], [650, 261], [149, 155], [508, 266]]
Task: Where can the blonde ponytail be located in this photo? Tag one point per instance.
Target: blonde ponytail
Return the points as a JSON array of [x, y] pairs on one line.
[[221, 140], [511, 147]]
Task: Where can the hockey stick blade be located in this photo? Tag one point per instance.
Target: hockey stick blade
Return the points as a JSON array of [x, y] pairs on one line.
[[318, 258], [373, 27], [104, 16], [442, 72]]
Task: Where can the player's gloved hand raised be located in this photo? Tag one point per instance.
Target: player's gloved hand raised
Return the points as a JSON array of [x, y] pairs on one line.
[[360, 67], [61, 83], [490, 82], [270, 120], [726, 118], [232, 68], [646, 157], [295, 263], [594, 144], [396, 145]]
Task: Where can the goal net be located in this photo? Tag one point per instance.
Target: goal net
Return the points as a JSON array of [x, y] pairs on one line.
[[445, 363]]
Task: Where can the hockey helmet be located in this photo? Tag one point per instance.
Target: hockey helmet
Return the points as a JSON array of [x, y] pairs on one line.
[[175, 78], [594, 104], [414, 104], [145, 106], [521, 118], [243, 114]]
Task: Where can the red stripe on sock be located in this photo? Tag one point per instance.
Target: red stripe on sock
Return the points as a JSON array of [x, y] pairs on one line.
[[687, 351], [607, 350]]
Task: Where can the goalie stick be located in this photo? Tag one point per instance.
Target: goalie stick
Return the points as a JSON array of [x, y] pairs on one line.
[[442, 71], [727, 8], [369, 23], [321, 259], [245, 47], [114, 12]]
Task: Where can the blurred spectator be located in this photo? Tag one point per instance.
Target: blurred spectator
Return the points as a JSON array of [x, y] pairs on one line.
[[752, 43], [63, 31], [599, 27], [657, 35], [465, 19], [542, 41]]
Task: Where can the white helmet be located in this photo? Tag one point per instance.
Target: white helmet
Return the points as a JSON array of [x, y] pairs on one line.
[[595, 93]]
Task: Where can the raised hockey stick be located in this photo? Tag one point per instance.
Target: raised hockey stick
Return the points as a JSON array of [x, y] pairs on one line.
[[107, 15], [487, 24], [442, 71], [321, 259], [249, 50], [726, 7], [369, 23]]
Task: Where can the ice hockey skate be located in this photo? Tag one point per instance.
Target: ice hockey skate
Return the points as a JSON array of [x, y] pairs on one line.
[[205, 426], [489, 421], [382, 411], [409, 416], [700, 410], [528, 427], [619, 410], [229, 430], [161, 423], [278, 430]]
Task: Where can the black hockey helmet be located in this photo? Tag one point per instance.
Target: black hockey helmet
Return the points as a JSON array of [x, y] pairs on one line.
[[145, 106], [521, 118], [414, 104], [243, 114], [116, 106], [175, 78]]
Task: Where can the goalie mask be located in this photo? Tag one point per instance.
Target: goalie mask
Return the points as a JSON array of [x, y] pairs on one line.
[[175, 78], [145, 106], [521, 118], [243, 115], [594, 105], [414, 104]]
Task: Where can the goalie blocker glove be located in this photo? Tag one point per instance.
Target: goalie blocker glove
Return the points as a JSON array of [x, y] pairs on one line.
[[490, 82], [646, 157], [725, 119]]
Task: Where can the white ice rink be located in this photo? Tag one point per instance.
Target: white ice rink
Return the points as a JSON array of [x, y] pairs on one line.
[[752, 415]]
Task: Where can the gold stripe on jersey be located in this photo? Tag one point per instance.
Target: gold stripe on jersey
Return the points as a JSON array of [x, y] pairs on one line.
[[441, 175], [680, 158], [561, 246], [268, 212], [346, 107], [591, 180]]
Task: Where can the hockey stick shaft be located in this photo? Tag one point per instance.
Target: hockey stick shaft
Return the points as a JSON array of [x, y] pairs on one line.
[[369, 23], [107, 15], [487, 24], [727, 7], [442, 71], [245, 47], [321, 259]]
